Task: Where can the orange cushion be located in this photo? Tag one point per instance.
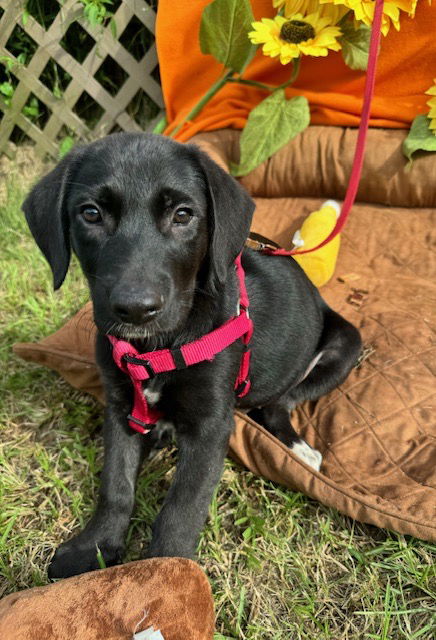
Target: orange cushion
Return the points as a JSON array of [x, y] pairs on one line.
[[405, 71]]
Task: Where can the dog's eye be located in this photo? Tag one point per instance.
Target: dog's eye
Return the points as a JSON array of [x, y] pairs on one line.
[[182, 216], [91, 214]]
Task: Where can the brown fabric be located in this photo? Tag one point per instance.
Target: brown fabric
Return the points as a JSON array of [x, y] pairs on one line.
[[376, 432], [318, 163], [70, 352], [108, 604]]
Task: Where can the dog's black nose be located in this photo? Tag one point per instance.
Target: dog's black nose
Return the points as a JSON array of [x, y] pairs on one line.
[[136, 308]]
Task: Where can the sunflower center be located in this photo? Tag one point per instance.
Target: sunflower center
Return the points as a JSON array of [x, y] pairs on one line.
[[296, 31]]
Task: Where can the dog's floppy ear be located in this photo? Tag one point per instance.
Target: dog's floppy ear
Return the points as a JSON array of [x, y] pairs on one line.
[[230, 214], [47, 217]]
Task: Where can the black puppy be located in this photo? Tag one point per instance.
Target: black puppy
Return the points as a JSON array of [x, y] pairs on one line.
[[157, 226]]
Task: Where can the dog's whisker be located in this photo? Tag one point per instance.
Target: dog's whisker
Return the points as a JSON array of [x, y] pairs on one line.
[[94, 276], [204, 292]]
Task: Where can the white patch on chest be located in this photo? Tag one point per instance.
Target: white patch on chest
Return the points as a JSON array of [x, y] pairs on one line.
[[151, 396], [310, 456]]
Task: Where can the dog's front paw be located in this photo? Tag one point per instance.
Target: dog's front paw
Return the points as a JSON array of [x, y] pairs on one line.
[[74, 557], [166, 545], [163, 551]]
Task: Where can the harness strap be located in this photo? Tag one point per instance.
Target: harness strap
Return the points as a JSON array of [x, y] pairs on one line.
[[243, 384], [144, 366], [243, 295]]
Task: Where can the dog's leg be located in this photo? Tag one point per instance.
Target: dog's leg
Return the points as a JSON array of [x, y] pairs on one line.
[[124, 451], [340, 346], [275, 418], [339, 349], [200, 462]]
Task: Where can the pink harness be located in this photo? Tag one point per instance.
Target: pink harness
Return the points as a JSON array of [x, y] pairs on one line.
[[143, 366]]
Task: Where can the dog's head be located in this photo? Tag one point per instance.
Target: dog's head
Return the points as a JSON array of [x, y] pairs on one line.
[[151, 220]]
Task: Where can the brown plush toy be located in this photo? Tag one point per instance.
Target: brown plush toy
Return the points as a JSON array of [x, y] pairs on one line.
[[156, 599]]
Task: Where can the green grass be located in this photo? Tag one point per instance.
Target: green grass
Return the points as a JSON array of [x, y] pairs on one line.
[[281, 565]]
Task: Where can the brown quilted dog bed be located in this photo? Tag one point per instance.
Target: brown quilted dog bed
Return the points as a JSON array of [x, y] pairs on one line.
[[377, 431]]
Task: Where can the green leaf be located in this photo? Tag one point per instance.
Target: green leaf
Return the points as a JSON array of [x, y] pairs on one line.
[[270, 125], [31, 110], [8, 62], [25, 17], [6, 89], [92, 13], [65, 146], [355, 45], [420, 138], [247, 533], [223, 33]]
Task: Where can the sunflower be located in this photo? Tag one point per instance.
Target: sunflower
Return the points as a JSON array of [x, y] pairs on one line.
[[432, 104], [288, 38], [300, 6], [412, 11], [311, 6], [364, 11]]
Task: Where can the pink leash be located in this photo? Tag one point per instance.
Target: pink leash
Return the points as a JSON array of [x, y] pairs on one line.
[[356, 170]]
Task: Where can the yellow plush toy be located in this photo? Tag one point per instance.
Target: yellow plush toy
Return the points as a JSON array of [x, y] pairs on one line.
[[319, 265]]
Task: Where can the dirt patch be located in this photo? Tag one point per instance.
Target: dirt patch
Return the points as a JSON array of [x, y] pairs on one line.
[[25, 165]]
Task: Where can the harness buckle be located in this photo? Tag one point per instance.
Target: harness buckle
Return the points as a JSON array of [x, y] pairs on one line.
[[141, 362], [144, 426], [241, 307], [243, 388]]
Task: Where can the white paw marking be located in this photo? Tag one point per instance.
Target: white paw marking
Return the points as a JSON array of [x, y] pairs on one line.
[[310, 456]]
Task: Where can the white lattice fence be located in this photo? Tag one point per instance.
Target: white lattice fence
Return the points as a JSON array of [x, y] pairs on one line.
[[114, 106]]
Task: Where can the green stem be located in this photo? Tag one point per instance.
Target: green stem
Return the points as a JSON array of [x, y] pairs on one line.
[[160, 125], [227, 77], [253, 83], [296, 63], [268, 87], [200, 104]]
